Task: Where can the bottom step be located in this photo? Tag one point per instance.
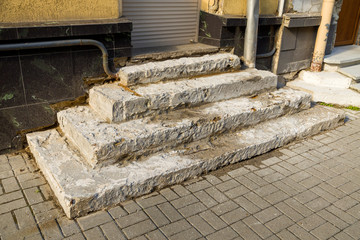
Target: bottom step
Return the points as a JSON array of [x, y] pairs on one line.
[[81, 189]]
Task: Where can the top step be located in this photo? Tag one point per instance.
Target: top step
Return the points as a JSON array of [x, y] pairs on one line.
[[344, 56], [177, 68]]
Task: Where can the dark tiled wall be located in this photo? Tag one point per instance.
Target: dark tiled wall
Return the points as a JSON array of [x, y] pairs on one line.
[[32, 80]]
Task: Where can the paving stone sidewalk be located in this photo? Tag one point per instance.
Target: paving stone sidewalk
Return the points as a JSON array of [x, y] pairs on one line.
[[307, 190]]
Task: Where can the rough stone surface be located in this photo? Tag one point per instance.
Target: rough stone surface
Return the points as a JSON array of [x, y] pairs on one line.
[[178, 68], [116, 104], [337, 96], [102, 143], [81, 189]]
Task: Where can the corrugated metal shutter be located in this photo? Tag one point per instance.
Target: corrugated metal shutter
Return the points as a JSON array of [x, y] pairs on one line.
[[162, 22]]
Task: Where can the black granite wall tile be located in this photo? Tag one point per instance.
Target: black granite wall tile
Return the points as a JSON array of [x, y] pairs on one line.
[[11, 86], [47, 77]]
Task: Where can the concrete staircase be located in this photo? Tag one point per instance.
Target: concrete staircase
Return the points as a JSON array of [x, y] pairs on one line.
[[339, 83], [178, 119]]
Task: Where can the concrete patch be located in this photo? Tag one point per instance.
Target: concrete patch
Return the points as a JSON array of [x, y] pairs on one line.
[[81, 189], [102, 143], [325, 79]]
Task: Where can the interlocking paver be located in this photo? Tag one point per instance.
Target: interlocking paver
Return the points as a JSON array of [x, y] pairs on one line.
[[234, 215], [94, 233], [189, 234], [224, 234], [345, 203], [300, 232], [280, 223], [168, 194], [146, 202], [10, 184], [67, 226], [247, 205], [192, 209], [9, 206], [244, 231], [131, 219], [325, 231], [131, 206], [117, 212], [175, 227], [170, 212], [205, 199], [213, 220], [50, 230], [311, 222], [288, 211], [184, 201], [93, 220], [258, 201], [267, 214], [257, 227], [200, 185], [225, 207], [157, 216], [225, 186], [201, 225], [155, 235], [317, 204], [216, 194], [112, 231], [33, 195], [139, 229]]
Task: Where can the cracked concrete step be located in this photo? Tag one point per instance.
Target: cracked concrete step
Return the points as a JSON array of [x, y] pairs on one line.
[[177, 68], [103, 143], [116, 104], [81, 189]]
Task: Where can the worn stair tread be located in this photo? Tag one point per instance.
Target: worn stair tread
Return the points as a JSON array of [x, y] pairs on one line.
[[177, 68], [116, 103], [103, 143], [351, 71], [344, 56], [81, 189]]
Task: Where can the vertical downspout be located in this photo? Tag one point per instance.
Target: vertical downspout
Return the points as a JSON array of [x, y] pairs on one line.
[[322, 35], [281, 7], [251, 33]]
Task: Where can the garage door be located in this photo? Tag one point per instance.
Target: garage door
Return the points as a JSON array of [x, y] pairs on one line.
[[162, 22]]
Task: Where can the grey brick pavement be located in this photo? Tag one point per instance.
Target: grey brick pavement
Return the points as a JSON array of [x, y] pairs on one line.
[[307, 190]]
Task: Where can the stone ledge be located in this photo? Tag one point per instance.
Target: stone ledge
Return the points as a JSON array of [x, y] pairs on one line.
[[115, 104], [80, 189], [102, 143], [39, 30]]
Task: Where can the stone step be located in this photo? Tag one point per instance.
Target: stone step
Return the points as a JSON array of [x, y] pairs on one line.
[[343, 56], [103, 143], [81, 189], [331, 95], [351, 71], [116, 103], [177, 68]]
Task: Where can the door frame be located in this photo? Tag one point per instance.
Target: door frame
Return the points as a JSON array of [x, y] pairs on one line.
[[355, 33]]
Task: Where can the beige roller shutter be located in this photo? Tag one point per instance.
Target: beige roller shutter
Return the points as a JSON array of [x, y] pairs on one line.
[[162, 22]]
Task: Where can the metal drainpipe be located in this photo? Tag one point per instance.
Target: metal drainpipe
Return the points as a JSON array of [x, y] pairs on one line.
[[63, 43], [251, 33], [322, 35], [281, 7]]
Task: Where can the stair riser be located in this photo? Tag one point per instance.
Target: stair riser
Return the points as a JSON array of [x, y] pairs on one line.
[[168, 131], [206, 90], [72, 183], [174, 69]]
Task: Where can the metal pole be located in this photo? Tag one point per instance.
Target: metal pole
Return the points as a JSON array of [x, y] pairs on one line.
[[322, 35], [63, 43], [251, 33]]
